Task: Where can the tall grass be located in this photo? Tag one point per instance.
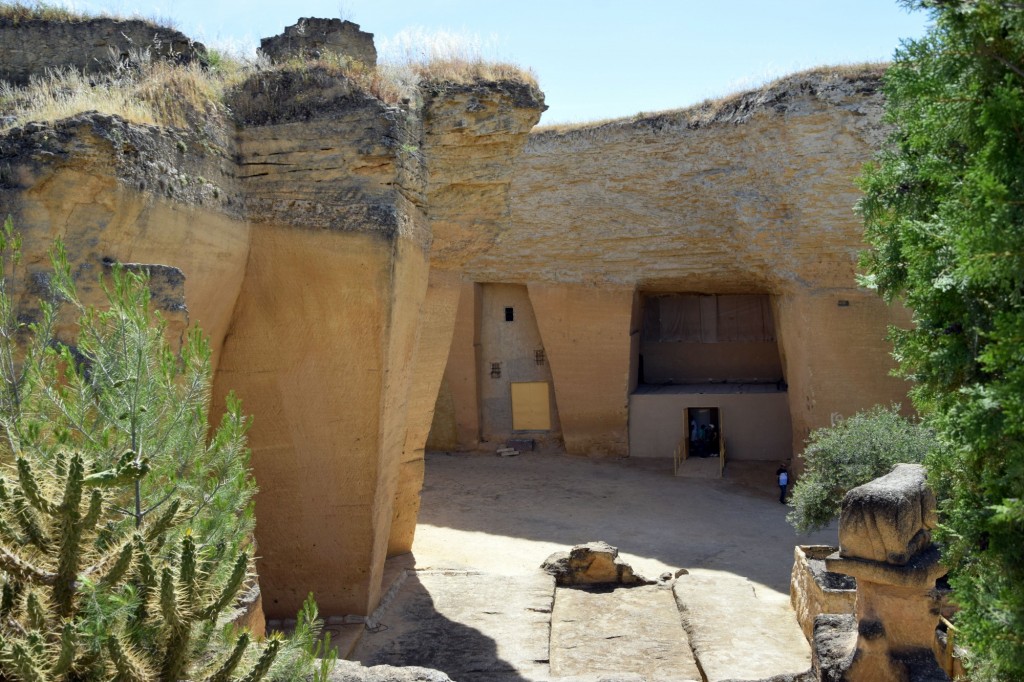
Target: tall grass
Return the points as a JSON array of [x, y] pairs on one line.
[[417, 55], [18, 12], [148, 91]]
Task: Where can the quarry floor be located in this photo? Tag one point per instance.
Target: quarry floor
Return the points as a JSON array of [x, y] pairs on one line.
[[478, 608]]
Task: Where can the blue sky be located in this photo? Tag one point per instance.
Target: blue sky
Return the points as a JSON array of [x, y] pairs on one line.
[[594, 59]]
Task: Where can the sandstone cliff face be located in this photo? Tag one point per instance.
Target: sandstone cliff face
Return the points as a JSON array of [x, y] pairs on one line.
[[471, 135], [329, 345], [751, 195], [117, 192], [330, 244], [302, 233]]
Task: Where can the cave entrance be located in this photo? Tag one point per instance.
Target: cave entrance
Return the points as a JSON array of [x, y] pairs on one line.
[[699, 357], [704, 431]]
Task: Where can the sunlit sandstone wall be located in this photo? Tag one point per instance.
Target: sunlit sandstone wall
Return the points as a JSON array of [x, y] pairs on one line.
[[338, 341], [471, 136], [116, 192], [750, 195], [306, 249]]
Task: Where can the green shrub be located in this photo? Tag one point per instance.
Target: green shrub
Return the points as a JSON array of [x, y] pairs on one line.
[[126, 533], [851, 453]]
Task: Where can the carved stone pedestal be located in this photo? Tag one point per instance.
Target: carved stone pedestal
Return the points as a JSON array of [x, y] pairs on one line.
[[885, 543]]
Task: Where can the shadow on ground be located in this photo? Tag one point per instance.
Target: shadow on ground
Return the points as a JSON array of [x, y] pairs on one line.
[[429, 623], [472, 503]]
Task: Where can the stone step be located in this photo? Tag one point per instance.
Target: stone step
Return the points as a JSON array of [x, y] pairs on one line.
[[619, 631], [700, 467]]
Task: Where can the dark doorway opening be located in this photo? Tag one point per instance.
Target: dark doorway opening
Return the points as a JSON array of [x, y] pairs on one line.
[[704, 426]]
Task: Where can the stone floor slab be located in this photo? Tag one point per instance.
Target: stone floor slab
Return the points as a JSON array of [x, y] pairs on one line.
[[623, 630], [740, 630], [472, 626]]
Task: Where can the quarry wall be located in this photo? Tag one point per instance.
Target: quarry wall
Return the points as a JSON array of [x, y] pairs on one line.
[[752, 195], [313, 38], [343, 256], [301, 231]]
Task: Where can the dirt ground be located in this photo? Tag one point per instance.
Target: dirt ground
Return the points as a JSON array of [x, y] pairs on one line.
[[507, 514], [504, 516]]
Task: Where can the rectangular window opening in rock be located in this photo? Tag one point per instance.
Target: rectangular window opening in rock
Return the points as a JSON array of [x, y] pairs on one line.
[[704, 351], [690, 339]]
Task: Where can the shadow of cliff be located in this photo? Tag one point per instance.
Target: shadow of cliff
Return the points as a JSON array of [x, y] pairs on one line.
[[734, 524], [411, 632]]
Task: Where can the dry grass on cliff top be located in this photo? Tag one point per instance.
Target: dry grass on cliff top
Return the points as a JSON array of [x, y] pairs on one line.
[[156, 92], [710, 108], [418, 55], [465, 71], [20, 12], [397, 81], [152, 92]]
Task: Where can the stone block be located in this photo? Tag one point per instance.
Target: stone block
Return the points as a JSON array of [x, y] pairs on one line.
[[595, 563], [815, 590], [890, 518], [312, 38]]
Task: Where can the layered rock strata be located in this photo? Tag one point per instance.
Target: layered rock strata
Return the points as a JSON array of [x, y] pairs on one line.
[[303, 233], [751, 195], [317, 38]]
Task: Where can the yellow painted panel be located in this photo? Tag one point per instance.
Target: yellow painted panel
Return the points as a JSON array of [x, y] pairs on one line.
[[531, 410]]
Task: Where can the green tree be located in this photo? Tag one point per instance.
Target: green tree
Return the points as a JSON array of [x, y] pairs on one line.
[[944, 212], [850, 453], [126, 530]]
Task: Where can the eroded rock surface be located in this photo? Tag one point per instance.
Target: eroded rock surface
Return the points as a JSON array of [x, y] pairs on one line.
[[814, 590], [620, 630], [313, 38], [29, 48], [472, 626], [595, 563], [890, 518], [350, 671]]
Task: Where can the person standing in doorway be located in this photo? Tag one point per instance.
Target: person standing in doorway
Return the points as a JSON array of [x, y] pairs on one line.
[[783, 476]]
